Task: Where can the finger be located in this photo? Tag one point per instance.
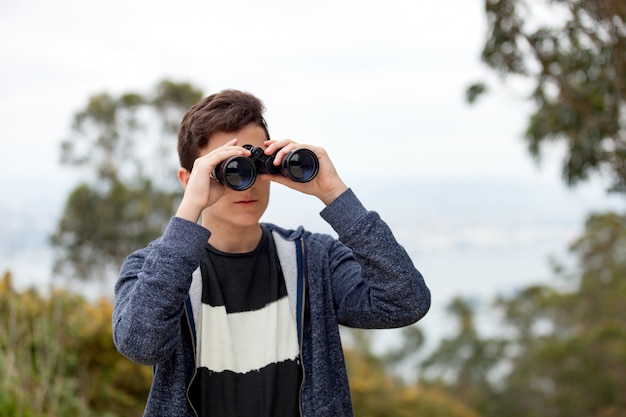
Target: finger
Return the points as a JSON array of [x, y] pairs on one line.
[[274, 145], [283, 148], [210, 161]]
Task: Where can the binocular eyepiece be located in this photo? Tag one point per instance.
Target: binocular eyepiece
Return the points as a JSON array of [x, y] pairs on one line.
[[239, 172]]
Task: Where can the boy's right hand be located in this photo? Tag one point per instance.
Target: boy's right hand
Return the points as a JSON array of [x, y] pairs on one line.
[[201, 189]]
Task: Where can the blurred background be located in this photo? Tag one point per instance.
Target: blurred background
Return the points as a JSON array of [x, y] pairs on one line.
[[488, 134]]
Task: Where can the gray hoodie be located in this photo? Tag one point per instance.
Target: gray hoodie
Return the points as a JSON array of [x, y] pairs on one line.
[[365, 279]]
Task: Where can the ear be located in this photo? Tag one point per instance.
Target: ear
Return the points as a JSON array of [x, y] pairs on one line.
[[183, 176]]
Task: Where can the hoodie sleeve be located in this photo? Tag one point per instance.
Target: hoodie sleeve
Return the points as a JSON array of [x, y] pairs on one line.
[[151, 291], [374, 281]]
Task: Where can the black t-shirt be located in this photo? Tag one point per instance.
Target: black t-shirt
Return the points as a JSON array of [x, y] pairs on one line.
[[250, 364]]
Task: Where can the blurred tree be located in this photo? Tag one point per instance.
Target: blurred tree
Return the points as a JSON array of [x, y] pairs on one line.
[[378, 393], [57, 358], [125, 149], [466, 362], [574, 54], [568, 346], [402, 358]]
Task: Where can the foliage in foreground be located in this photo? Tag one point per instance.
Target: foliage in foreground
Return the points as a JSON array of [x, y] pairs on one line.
[[57, 358]]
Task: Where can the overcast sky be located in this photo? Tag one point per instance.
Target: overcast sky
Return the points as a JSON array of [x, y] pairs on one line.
[[379, 84], [369, 80]]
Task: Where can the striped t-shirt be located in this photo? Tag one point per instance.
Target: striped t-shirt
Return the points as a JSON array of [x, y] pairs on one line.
[[249, 361]]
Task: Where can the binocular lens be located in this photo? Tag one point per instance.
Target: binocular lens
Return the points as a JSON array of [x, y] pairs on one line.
[[238, 173], [301, 165]]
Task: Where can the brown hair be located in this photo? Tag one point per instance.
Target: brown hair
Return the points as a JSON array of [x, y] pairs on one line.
[[226, 111]]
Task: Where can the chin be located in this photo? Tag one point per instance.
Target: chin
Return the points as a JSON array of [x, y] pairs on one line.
[[246, 221]]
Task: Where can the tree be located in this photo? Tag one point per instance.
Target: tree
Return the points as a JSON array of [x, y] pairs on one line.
[[124, 148], [561, 349], [568, 349], [376, 392], [575, 59], [465, 363], [57, 357]]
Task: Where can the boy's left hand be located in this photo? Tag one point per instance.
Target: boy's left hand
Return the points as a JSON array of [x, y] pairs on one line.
[[326, 186]]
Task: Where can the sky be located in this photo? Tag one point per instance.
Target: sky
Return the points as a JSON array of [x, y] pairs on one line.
[[352, 76], [379, 84]]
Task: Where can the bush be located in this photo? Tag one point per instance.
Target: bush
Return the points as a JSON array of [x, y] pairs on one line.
[[57, 358]]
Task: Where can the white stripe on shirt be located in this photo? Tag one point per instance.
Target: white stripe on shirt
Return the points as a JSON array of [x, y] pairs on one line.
[[249, 341]]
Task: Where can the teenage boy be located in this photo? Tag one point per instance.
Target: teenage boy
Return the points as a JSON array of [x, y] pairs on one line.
[[240, 318]]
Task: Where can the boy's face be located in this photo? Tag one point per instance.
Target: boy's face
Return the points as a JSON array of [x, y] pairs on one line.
[[238, 208]]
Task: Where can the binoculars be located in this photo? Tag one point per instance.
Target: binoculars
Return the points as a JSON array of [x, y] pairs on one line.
[[239, 172]]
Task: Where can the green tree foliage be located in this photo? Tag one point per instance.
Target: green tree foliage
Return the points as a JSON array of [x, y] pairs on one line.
[[574, 54], [465, 363], [566, 344], [124, 148], [378, 393], [560, 350], [57, 358], [569, 346]]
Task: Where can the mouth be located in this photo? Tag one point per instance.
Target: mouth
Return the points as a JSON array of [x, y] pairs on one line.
[[245, 202]]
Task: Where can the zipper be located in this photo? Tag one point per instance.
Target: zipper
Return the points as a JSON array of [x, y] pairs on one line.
[[303, 295], [195, 371]]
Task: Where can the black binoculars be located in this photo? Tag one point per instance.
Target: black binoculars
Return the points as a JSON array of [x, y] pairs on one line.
[[239, 172]]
